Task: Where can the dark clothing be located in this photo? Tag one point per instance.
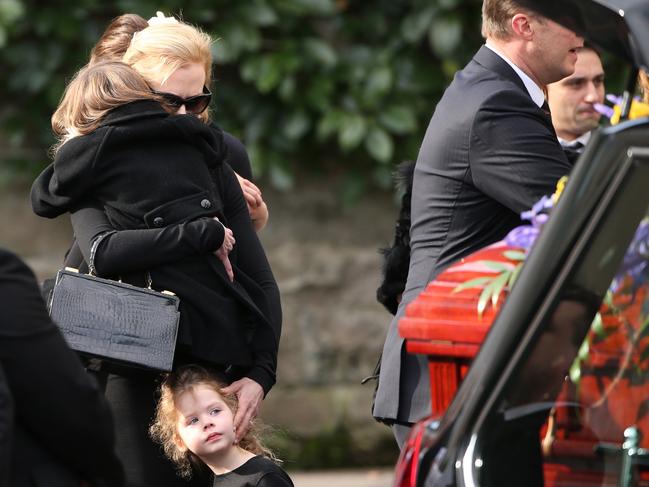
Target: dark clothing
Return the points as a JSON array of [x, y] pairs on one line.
[[159, 179], [489, 154], [257, 472], [236, 155], [62, 427]]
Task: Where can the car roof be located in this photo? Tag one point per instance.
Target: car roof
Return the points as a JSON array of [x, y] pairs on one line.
[[618, 26]]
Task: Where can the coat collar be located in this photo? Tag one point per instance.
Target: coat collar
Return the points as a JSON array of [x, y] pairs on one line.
[[493, 62], [136, 110]]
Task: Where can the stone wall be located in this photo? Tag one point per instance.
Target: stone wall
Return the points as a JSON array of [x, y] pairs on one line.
[[326, 263]]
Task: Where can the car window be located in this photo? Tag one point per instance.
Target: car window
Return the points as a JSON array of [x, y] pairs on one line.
[[584, 382]]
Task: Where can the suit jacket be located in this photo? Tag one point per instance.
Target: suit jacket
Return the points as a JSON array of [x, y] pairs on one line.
[[61, 429], [489, 154], [159, 180]]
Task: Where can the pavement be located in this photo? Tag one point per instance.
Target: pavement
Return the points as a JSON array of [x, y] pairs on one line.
[[344, 478]]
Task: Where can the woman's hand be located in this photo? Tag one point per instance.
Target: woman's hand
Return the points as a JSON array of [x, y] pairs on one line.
[[256, 206], [249, 395], [224, 250]]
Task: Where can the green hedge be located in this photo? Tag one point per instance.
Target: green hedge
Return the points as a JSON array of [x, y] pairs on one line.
[[342, 87]]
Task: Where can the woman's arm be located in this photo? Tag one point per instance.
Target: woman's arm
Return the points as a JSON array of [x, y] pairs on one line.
[[135, 250]]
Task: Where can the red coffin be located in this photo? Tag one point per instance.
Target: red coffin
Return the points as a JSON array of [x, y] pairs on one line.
[[443, 323]]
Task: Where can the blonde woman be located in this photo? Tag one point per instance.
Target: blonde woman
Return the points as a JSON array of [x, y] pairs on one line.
[[139, 180]]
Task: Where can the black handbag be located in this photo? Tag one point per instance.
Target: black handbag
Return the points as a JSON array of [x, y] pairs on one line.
[[115, 321]]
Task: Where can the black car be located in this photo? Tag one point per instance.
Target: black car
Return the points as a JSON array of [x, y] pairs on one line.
[[562, 314]]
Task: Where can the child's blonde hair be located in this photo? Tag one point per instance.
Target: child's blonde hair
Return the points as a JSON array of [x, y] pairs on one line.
[[157, 51], [93, 92], [164, 427]]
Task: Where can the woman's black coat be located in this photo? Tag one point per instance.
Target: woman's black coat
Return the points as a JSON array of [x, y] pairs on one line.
[[159, 180]]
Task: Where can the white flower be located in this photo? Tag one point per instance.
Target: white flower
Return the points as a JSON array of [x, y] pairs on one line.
[[160, 19]]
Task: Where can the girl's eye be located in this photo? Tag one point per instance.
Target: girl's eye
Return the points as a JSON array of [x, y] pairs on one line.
[[215, 411], [192, 421]]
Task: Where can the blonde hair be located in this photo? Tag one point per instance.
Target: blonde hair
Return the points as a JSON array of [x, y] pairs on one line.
[[164, 430], [157, 51], [93, 92]]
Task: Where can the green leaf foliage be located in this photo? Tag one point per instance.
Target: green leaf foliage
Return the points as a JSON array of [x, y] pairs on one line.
[[334, 86]]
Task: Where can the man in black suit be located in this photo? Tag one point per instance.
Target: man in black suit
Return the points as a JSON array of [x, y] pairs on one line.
[[56, 429], [489, 153], [572, 102]]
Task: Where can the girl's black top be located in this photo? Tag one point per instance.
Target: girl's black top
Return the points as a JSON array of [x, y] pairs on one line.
[[257, 472]]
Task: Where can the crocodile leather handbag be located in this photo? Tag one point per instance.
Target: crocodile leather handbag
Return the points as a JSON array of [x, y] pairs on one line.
[[115, 321]]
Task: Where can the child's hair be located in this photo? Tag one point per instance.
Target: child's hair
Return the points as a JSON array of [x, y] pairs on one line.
[[117, 37], [164, 427], [159, 50], [93, 92]]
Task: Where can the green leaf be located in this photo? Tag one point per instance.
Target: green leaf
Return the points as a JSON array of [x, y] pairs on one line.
[[498, 286], [259, 14], [477, 282], [485, 297], [297, 125], [584, 350], [352, 131], [414, 26], [514, 255], [644, 356], [445, 36], [379, 82], [379, 144], [496, 266], [514, 275], [329, 124], [575, 371], [399, 119], [320, 52], [598, 326]]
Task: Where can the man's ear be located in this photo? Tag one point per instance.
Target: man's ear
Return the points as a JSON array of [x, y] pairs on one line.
[[522, 26]]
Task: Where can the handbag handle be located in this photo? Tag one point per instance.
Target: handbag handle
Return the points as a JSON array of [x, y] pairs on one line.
[[93, 252]]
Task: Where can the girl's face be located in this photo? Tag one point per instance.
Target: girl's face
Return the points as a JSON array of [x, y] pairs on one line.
[[205, 423], [185, 82]]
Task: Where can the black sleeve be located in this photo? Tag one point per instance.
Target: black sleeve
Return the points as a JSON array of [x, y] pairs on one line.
[[134, 250], [273, 479], [237, 156], [527, 161], [251, 259], [56, 401]]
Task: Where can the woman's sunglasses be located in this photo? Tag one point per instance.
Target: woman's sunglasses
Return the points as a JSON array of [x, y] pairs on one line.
[[194, 104]]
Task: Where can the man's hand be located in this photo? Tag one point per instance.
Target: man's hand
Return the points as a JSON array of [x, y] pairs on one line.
[[249, 395]]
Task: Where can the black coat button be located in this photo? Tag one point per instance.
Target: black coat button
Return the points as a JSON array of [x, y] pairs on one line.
[[158, 221], [206, 204]]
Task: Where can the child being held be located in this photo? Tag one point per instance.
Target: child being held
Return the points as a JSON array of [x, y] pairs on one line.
[[194, 424]]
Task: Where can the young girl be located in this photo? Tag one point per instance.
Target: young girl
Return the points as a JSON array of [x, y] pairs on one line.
[[194, 424]]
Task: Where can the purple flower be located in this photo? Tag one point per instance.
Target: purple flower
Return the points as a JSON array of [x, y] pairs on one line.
[[523, 236]]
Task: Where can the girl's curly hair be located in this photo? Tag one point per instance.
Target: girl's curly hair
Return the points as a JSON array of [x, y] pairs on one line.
[[163, 430]]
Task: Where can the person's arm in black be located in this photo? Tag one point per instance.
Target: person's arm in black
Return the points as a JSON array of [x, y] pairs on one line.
[[273, 479], [55, 400], [133, 250], [251, 259]]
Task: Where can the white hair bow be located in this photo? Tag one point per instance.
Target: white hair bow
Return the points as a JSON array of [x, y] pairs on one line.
[[160, 19]]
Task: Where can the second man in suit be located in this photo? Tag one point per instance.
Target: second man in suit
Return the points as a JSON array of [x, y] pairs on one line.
[[489, 153]]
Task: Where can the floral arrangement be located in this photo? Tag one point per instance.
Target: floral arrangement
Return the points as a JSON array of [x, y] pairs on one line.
[[623, 318]]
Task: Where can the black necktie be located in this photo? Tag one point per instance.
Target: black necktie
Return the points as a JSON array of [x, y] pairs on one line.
[[572, 151]]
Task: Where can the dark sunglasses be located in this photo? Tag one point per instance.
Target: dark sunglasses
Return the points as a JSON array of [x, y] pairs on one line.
[[194, 104]]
